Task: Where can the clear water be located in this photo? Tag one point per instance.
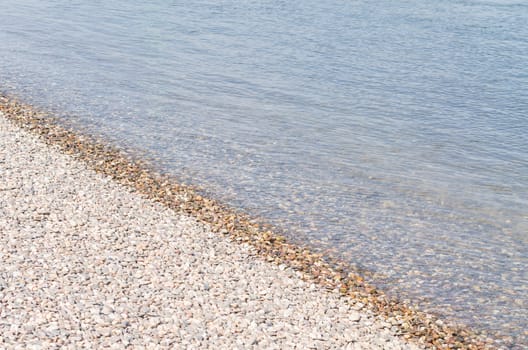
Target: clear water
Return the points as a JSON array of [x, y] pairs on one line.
[[393, 132]]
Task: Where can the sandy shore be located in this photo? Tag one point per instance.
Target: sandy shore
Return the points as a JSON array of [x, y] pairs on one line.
[[87, 262]]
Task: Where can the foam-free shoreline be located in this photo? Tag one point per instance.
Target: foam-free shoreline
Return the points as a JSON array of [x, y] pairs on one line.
[[99, 249]]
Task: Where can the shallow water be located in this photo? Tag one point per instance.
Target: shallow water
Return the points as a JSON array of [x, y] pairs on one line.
[[394, 132]]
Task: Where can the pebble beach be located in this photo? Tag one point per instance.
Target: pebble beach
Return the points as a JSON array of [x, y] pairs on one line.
[[95, 260], [88, 263], [377, 151]]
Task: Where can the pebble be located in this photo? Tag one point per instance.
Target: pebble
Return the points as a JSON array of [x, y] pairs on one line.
[[355, 316]]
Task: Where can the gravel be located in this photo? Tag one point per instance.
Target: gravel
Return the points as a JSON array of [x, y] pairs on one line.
[[87, 262]]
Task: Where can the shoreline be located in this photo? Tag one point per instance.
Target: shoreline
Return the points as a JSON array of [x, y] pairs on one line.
[[408, 322]]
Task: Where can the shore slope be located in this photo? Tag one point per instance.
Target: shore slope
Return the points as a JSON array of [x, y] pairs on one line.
[[86, 262]]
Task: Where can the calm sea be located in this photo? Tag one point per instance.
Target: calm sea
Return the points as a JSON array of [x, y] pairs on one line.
[[393, 132]]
